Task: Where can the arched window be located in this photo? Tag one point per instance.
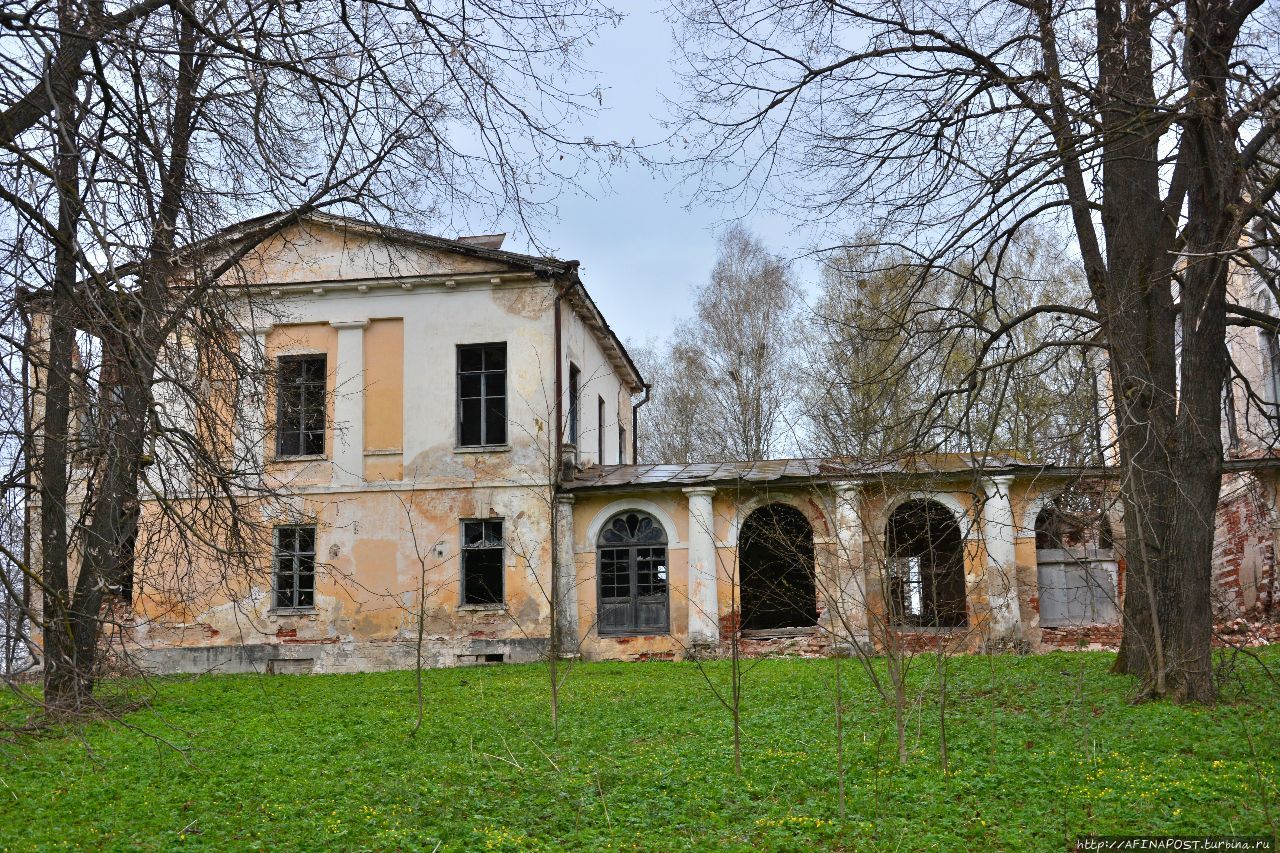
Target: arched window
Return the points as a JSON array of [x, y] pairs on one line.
[[632, 570], [926, 566]]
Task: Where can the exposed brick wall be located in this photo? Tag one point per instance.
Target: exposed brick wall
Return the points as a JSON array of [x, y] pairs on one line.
[[1244, 572], [1082, 636]]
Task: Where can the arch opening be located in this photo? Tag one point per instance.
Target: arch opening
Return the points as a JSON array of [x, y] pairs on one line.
[[926, 585], [776, 571]]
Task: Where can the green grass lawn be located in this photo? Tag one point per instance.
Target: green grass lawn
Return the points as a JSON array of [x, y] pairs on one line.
[[645, 762]]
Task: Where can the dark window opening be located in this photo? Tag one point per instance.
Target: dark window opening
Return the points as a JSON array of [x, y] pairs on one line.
[[295, 566], [600, 430], [574, 403], [926, 566], [482, 559], [622, 442], [632, 571], [482, 394], [300, 405], [775, 559], [494, 657], [121, 579]]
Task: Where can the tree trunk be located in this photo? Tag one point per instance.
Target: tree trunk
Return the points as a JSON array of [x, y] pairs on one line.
[[61, 667]]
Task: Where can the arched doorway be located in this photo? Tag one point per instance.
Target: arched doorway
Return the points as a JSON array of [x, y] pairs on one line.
[[926, 566], [775, 559]]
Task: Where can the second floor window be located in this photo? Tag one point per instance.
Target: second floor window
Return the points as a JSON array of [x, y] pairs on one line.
[[574, 402], [295, 566], [482, 394], [600, 431], [300, 407]]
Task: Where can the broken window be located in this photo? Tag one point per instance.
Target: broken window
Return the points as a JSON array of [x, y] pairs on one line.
[[300, 405], [482, 559], [632, 572], [926, 566], [600, 430], [295, 566], [775, 556], [482, 394]]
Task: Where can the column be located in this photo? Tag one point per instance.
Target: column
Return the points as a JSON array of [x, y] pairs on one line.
[[999, 532], [850, 623], [348, 402], [251, 426], [566, 578], [704, 597]]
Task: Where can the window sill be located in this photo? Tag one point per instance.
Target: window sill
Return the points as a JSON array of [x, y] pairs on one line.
[[482, 608], [312, 458], [618, 635], [292, 611], [482, 448]]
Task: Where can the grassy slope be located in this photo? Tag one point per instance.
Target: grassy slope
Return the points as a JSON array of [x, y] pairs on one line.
[[645, 762]]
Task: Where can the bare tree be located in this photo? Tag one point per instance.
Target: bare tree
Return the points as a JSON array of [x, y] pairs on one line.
[[887, 339], [949, 128], [130, 139], [730, 388]]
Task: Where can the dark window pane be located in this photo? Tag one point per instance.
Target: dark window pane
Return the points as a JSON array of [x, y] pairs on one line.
[[469, 429], [495, 385], [495, 357], [472, 533], [470, 358], [482, 569], [496, 422], [493, 532], [470, 384]]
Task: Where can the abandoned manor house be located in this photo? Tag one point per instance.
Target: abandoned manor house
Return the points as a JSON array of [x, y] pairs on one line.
[[447, 451]]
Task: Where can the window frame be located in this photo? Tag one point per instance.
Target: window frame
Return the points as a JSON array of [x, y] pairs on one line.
[[484, 397], [575, 403], [296, 572], [633, 629], [300, 430], [464, 549], [599, 430]]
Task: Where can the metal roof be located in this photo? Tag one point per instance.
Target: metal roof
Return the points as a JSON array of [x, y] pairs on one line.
[[782, 471]]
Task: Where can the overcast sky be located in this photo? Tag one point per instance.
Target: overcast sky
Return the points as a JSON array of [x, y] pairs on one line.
[[642, 249]]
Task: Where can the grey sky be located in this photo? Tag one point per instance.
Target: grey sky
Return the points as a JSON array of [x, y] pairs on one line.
[[642, 251]]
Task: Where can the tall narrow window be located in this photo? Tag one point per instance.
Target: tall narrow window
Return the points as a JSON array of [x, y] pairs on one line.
[[622, 442], [482, 394], [600, 431], [575, 377], [482, 561], [295, 566], [300, 382], [632, 554]]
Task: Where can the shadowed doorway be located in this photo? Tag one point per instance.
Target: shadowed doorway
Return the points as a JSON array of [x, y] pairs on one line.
[[775, 558]]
